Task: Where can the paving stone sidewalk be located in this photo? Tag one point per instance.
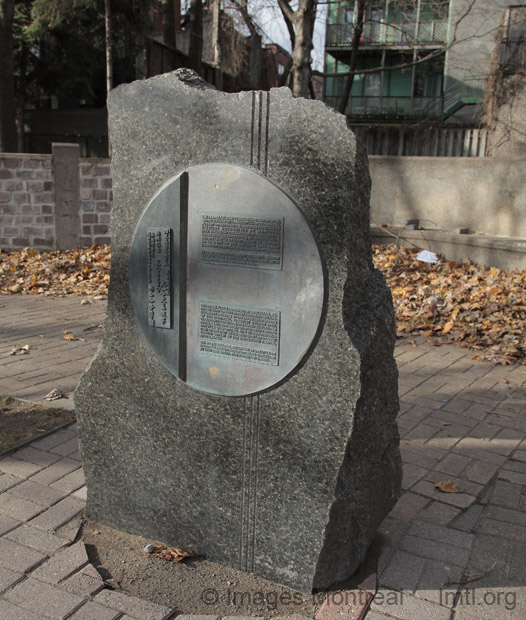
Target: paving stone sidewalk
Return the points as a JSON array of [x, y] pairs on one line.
[[451, 556]]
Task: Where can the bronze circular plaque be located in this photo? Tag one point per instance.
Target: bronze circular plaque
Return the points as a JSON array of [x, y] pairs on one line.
[[227, 280]]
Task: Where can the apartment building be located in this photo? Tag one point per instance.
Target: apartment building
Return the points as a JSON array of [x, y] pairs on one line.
[[421, 59]]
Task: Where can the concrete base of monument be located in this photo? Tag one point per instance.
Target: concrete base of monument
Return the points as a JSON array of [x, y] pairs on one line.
[[199, 587]]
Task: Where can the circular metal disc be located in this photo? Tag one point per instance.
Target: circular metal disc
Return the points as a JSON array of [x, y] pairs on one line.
[[227, 280]]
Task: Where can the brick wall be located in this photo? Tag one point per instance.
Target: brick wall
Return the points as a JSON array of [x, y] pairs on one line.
[[26, 201], [96, 198]]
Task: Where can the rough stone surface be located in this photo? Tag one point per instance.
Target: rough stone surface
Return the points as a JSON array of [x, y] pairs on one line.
[[165, 461]]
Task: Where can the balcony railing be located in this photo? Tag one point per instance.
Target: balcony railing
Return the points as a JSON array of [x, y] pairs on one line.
[[468, 92], [377, 33], [390, 107]]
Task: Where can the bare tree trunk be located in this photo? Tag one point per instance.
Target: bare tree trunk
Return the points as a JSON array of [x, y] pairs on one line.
[[168, 23], [357, 35], [21, 99], [305, 16], [300, 24], [195, 51], [8, 139], [109, 46], [109, 54]]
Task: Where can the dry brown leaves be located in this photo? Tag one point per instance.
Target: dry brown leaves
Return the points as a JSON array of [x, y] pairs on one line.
[[448, 485], [172, 554], [471, 306], [448, 303], [58, 273]]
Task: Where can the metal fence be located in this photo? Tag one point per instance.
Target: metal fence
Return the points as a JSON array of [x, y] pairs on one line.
[[430, 141], [391, 107], [378, 33]]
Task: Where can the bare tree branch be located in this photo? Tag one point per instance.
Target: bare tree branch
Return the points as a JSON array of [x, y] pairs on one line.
[[286, 9], [242, 7], [361, 5]]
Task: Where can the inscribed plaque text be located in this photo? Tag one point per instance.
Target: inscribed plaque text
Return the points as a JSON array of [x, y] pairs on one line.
[[159, 251], [243, 333], [243, 241]]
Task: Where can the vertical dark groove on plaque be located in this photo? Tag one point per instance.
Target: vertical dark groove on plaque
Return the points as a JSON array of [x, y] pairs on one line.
[[243, 476], [256, 477], [267, 125], [260, 123], [253, 129], [183, 260]]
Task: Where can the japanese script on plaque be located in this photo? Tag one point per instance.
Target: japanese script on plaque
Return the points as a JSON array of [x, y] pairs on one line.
[[159, 252], [242, 241], [237, 332]]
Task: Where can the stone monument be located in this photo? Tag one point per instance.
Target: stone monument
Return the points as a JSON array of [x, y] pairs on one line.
[[242, 403]]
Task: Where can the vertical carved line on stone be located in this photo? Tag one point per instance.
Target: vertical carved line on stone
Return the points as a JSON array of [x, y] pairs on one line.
[[183, 260], [243, 476], [256, 478], [253, 129], [260, 124], [250, 456], [267, 125]]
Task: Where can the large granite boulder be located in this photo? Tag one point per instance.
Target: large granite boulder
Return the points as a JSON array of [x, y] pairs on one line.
[[290, 476]]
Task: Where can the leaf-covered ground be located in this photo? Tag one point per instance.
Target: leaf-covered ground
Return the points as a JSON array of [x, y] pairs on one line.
[[57, 273], [471, 306], [462, 303]]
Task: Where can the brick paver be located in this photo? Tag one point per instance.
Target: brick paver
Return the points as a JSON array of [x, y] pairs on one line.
[[132, 606], [45, 542], [459, 418], [37, 493], [94, 611], [58, 514], [17, 507], [8, 611], [8, 578], [17, 557], [63, 564], [40, 597]]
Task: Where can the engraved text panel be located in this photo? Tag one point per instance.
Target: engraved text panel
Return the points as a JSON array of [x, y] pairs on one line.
[[159, 251], [242, 240], [241, 333]]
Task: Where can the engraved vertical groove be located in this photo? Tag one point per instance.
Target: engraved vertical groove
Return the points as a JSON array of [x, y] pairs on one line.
[[250, 456], [253, 129], [267, 125], [243, 476], [183, 259], [260, 123], [256, 477]]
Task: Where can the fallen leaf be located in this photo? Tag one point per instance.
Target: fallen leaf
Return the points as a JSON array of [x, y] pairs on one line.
[[70, 337], [172, 554], [19, 350], [448, 485], [447, 327], [55, 394]]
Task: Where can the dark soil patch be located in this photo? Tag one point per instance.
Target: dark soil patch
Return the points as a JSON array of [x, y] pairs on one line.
[[21, 421], [199, 587], [195, 586]]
